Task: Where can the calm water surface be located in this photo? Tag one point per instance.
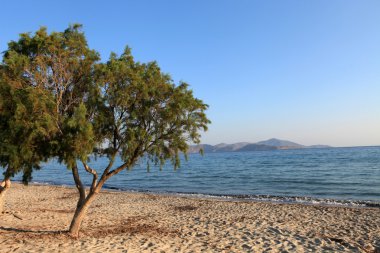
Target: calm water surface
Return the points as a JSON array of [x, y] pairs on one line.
[[348, 175]]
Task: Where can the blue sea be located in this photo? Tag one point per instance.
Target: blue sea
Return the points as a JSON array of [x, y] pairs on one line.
[[337, 176]]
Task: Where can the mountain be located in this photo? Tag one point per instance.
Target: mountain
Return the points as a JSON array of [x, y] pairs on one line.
[[271, 144], [206, 148], [279, 143], [230, 147], [257, 147]]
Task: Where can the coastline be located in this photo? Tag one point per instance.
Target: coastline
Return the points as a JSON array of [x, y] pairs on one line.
[[145, 222], [302, 200]]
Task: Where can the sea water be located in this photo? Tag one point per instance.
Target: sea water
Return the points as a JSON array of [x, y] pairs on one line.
[[340, 176]]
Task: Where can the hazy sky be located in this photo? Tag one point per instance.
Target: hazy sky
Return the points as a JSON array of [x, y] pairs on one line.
[[306, 71]]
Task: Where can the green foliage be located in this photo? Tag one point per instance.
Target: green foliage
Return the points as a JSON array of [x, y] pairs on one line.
[[26, 125], [45, 81], [78, 138], [144, 113], [57, 101]]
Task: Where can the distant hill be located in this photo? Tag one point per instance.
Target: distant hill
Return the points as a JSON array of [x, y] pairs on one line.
[[271, 144], [230, 147], [206, 148], [257, 147], [281, 143]]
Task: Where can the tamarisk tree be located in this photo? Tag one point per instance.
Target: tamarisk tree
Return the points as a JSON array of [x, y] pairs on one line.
[[45, 81], [139, 112], [26, 125], [58, 101]]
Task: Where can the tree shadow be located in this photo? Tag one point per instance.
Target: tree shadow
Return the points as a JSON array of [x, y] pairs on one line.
[[26, 234], [19, 230]]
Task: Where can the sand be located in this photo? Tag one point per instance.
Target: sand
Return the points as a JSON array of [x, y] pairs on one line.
[[141, 222]]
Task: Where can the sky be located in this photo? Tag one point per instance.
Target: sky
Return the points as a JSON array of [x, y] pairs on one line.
[[305, 71]]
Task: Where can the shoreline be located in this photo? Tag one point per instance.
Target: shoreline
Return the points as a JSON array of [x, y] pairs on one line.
[[144, 222], [301, 200]]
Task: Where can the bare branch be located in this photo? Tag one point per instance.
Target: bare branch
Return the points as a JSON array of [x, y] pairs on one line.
[[94, 175], [112, 160], [128, 164], [79, 185], [117, 170], [104, 176]]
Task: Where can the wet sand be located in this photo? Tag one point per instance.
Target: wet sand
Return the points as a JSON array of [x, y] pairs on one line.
[[36, 218]]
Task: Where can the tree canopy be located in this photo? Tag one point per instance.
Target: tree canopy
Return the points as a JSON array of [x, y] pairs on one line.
[[60, 101], [138, 111], [43, 80], [26, 126]]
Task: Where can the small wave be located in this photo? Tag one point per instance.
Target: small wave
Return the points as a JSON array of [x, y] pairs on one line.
[[288, 200], [265, 198], [243, 197]]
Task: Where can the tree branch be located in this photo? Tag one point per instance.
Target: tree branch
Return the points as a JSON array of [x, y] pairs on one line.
[[79, 185], [94, 175], [130, 163], [104, 177], [117, 170]]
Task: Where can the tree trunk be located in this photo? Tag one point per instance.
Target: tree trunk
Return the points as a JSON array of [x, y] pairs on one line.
[[80, 187], [5, 185], [79, 214]]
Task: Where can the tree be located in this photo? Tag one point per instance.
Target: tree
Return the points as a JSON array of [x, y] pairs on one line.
[[140, 112], [118, 108], [26, 125], [45, 80]]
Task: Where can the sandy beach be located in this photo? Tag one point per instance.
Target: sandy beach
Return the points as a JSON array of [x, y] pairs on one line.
[[36, 217]]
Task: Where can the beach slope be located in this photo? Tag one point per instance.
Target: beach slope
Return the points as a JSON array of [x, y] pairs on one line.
[[37, 216]]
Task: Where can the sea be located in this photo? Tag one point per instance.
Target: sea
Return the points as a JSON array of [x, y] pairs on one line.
[[326, 176]]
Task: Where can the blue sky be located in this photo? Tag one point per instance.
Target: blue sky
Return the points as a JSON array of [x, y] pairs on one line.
[[307, 71]]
